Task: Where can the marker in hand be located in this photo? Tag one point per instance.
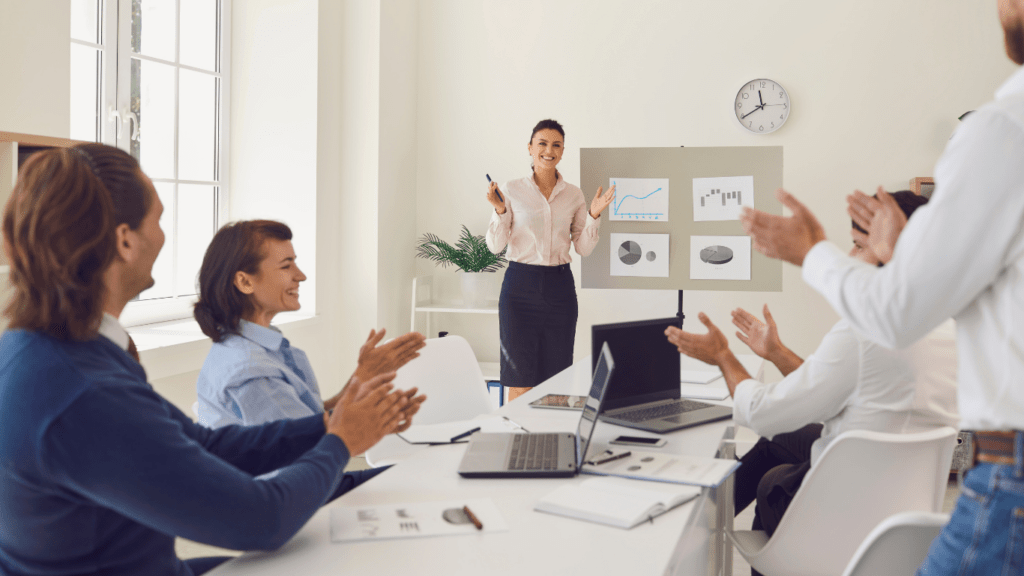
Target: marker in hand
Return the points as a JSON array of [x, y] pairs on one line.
[[495, 190]]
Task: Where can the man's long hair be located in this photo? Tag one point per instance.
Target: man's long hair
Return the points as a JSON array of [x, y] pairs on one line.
[[59, 235]]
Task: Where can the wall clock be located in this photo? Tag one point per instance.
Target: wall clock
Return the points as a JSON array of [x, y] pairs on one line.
[[762, 106]]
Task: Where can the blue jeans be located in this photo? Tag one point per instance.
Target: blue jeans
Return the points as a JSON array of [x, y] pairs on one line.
[[985, 534]]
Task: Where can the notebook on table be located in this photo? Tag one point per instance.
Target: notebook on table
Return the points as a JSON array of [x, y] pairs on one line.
[[542, 455], [644, 392]]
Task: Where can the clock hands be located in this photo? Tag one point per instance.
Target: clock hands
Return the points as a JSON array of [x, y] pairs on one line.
[[756, 108], [759, 98]]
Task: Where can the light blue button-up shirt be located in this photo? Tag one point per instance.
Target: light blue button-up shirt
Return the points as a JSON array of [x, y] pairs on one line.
[[256, 377]]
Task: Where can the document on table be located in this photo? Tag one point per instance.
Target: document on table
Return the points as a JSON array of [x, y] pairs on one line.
[[414, 520], [659, 467], [452, 432]]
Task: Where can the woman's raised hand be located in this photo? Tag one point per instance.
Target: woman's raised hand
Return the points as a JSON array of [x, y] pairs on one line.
[[601, 201], [495, 197]]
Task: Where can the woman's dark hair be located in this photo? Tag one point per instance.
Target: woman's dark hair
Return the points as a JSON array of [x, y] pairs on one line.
[[59, 235], [908, 202], [547, 125], [237, 247]]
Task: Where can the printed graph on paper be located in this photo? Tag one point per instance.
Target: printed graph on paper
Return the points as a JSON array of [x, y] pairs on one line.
[[639, 199]]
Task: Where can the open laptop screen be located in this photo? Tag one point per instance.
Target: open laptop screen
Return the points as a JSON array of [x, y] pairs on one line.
[[647, 364], [602, 370]]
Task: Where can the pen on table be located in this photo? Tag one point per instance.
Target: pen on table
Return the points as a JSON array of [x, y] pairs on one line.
[[612, 457], [472, 518], [509, 420], [495, 190], [464, 434]]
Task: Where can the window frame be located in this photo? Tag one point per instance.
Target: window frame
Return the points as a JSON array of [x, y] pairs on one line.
[[116, 129]]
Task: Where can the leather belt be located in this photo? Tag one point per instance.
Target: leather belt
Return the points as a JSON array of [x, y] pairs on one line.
[[994, 447]]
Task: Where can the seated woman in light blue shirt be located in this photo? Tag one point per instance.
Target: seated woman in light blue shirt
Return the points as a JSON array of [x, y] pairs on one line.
[[252, 374]]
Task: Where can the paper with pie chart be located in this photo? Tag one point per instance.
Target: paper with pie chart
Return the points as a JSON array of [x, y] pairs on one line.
[[719, 257], [639, 199], [639, 255], [721, 198]]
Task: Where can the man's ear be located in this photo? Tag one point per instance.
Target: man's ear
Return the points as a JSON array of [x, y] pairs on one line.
[[243, 282], [125, 241]]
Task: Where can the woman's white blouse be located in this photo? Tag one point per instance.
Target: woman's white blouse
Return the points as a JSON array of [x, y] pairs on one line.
[[539, 231]]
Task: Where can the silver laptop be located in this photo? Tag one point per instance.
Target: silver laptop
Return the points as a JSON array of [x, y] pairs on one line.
[[644, 392], [545, 455]]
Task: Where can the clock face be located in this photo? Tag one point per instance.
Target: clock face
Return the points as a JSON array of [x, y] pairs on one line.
[[762, 106]]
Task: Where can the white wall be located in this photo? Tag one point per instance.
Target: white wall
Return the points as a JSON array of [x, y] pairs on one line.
[[35, 67], [876, 88]]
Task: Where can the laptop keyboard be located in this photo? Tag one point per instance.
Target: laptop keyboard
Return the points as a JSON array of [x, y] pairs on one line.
[[662, 411], [534, 452]]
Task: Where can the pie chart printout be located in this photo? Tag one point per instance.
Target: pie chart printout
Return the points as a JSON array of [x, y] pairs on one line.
[[639, 255], [716, 255], [629, 252]]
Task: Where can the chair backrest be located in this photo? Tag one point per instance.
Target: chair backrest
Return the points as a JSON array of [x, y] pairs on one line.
[[448, 373], [897, 546], [860, 479]]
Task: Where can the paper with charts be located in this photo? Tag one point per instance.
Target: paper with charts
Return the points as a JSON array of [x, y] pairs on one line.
[[639, 255], [721, 198], [416, 520], [719, 257], [639, 199]]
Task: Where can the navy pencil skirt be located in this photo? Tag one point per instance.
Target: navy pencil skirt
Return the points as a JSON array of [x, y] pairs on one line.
[[537, 313]]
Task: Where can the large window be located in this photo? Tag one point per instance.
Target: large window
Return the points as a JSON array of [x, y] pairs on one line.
[[149, 76]]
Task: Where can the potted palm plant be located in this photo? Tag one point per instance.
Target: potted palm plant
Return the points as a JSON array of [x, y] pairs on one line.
[[470, 255]]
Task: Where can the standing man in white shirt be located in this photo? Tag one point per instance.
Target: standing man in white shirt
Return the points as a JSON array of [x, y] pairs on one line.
[[848, 383], [960, 256], [539, 218]]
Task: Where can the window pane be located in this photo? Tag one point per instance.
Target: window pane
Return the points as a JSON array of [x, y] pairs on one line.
[[85, 15], [199, 34], [197, 124], [153, 28], [163, 269], [152, 101], [196, 210], [85, 77]]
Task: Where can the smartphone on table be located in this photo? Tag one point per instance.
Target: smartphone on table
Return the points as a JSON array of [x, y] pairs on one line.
[[639, 441]]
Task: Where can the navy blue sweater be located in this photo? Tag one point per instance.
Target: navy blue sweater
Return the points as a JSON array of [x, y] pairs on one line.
[[98, 473]]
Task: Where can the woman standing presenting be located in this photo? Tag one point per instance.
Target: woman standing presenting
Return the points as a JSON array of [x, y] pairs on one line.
[[538, 217]]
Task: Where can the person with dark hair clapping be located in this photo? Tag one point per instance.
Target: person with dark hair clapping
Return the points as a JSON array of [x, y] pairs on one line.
[[100, 473]]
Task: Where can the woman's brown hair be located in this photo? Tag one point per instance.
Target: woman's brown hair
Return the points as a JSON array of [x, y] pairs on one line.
[[237, 247], [59, 235]]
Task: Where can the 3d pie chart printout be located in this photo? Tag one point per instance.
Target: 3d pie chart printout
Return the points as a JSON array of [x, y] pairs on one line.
[[639, 255], [716, 255], [720, 257]]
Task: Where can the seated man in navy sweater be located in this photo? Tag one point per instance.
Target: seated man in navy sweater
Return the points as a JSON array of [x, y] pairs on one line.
[[98, 472]]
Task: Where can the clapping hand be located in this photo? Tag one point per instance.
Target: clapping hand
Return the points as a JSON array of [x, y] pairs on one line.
[[761, 337], [785, 238], [365, 412], [389, 357], [882, 217], [709, 348], [601, 201]]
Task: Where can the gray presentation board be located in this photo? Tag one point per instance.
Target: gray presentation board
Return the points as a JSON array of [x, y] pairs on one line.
[[680, 166]]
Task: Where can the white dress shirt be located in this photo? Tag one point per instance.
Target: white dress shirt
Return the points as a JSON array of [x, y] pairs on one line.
[[961, 256], [851, 383], [538, 230], [111, 329]]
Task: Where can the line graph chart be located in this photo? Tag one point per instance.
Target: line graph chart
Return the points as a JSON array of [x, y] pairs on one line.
[[639, 199]]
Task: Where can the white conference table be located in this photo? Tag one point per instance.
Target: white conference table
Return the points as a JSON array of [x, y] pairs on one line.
[[688, 540]]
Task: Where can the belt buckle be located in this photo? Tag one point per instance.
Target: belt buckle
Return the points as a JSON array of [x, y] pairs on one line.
[[972, 457]]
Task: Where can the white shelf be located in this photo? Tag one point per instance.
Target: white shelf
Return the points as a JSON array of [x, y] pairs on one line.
[[457, 307]]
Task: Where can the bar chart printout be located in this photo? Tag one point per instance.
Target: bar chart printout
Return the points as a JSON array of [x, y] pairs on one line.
[[639, 199], [721, 198]]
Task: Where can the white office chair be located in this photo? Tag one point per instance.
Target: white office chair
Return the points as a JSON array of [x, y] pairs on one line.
[[860, 479], [897, 546], [448, 373]]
